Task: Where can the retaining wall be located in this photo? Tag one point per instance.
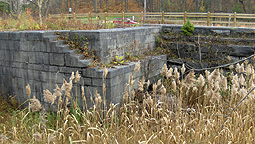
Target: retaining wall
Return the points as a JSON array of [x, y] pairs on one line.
[[40, 59]]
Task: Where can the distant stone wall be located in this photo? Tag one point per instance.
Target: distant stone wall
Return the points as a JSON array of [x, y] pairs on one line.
[[213, 45], [40, 59]]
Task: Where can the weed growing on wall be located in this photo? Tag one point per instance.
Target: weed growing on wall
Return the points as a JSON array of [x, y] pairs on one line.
[[81, 45], [188, 28]]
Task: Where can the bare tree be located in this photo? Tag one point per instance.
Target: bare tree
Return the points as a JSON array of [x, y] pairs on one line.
[[15, 7], [242, 2]]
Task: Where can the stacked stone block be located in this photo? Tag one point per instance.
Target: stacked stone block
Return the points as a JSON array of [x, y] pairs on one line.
[[40, 59]]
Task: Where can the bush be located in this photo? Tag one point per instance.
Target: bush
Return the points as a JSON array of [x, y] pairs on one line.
[[188, 28]]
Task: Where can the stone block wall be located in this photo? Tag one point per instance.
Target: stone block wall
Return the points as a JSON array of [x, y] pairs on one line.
[[109, 43], [40, 59]]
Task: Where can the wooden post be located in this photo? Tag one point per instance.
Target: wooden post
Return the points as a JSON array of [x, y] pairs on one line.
[[89, 17], [185, 17], [105, 17], [234, 20], [74, 16], [163, 15], [61, 15], [141, 17], [123, 18], [208, 18]]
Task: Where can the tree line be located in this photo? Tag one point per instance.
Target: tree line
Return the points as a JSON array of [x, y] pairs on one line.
[[46, 7]]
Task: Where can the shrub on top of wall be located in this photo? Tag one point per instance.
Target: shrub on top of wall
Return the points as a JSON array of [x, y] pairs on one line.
[[188, 28]]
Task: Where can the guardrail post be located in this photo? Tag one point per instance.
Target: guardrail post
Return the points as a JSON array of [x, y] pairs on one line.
[[185, 17], [208, 18], [141, 16], [123, 18], [62, 16], [163, 15], [74, 16], [234, 21], [89, 17], [105, 17]]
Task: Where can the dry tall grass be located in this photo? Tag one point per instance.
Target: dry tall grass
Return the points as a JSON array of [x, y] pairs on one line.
[[190, 109]]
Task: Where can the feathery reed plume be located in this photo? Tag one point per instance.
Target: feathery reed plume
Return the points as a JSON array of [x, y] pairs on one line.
[[215, 74], [57, 91], [72, 77], [104, 87], [59, 100], [176, 73], [140, 85], [163, 91], [224, 83], [234, 91], [235, 81], [67, 87], [231, 67], [164, 70], [28, 90], [77, 76], [201, 81], [238, 69], [49, 97], [169, 73], [83, 96], [194, 89], [105, 72], [183, 69], [137, 66], [154, 87], [131, 81], [228, 57], [125, 97], [207, 74], [242, 68], [159, 83], [249, 69], [97, 98], [66, 102], [242, 80], [35, 104], [173, 84], [133, 93], [148, 84], [190, 79]]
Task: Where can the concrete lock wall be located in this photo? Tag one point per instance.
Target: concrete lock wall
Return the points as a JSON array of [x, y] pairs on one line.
[[40, 59]]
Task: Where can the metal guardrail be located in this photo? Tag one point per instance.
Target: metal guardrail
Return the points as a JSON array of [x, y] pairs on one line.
[[227, 19]]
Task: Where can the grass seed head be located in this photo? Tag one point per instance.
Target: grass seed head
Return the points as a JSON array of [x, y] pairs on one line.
[[148, 84], [72, 77], [28, 90], [35, 104], [49, 97], [105, 72], [77, 76], [137, 66], [201, 80], [173, 84], [164, 70], [183, 69], [176, 73], [169, 73], [57, 91], [231, 67]]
